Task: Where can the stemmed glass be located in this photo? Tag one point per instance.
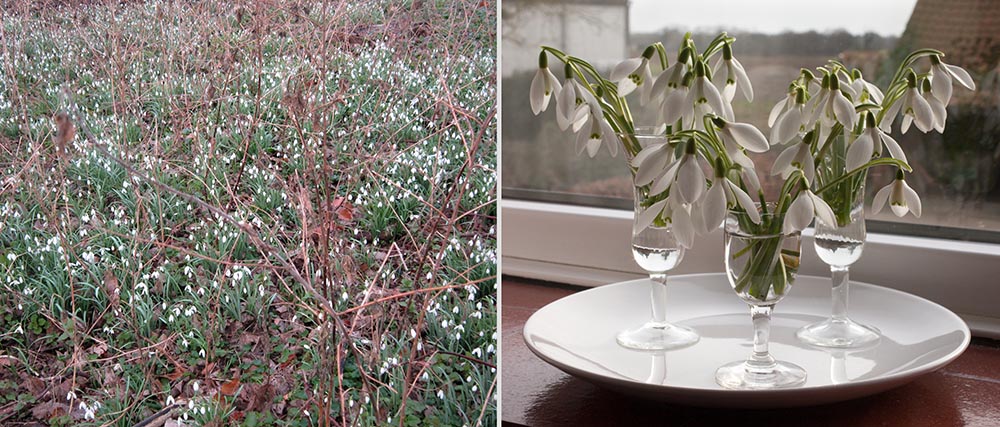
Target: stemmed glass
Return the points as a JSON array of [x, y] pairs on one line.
[[840, 245], [657, 251], [761, 264]]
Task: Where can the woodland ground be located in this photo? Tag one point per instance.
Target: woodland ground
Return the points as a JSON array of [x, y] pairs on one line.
[[272, 213]]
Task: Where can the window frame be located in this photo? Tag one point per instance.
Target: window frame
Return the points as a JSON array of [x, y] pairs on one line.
[[589, 246]]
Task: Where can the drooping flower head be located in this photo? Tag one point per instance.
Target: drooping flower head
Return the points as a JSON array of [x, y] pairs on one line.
[[733, 76], [705, 98], [790, 122], [870, 143], [571, 107], [831, 106], [798, 157], [671, 78], [914, 107], [543, 86], [634, 73], [943, 76], [901, 198]]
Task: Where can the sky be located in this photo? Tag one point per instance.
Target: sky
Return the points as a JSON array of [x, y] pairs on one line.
[[885, 17]]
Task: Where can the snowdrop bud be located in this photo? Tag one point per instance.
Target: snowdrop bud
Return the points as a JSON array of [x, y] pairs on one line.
[[869, 120], [911, 78], [720, 169], [649, 52], [700, 69]]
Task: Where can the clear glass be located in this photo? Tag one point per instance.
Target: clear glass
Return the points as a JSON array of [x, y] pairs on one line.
[[761, 264], [840, 245], [656, 250]]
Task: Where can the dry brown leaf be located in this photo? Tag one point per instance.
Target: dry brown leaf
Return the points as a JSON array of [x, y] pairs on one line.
[[34, 385], [230, 388], [48, 410], [111, 286]]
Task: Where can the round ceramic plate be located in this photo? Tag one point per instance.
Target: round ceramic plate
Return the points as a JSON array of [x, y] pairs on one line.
[[577, 335]]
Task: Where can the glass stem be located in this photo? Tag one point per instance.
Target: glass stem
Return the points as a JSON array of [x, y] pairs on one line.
[[658, 296], [840, 281], [761, 362]]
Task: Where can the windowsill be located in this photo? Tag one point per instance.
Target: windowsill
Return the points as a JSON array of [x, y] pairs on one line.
[[588, 246]]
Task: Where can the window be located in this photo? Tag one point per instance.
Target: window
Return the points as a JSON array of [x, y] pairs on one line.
[[956, 174], [570, 217]]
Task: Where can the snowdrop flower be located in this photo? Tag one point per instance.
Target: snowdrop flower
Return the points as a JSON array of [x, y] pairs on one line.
[[690, 177], [749, 178], [746, 135], [671, 78], [797, 157], [870, 142], [901, 197], [802, 210], [790, 122], [943, 76], [543, 86], [831, 106], [860, 86], [634, 73], [686, 173], [914, 107], [781, 106], [938, 108], [736, 137], [651, 163], [599, 131], [677, 214], [705, 97], [675, 105], [720, 196], [571, 108], [734, 76]]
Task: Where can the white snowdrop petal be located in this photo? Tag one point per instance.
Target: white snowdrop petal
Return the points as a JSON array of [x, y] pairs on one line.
[[894, 149], [860, 151], [912, 199], [799, 214], [646, 217], [776, 111], [690, 180], [744, 200], [823, 210], [962, 76], [881, 197], [714, 209], [748, 136], [624, 68]]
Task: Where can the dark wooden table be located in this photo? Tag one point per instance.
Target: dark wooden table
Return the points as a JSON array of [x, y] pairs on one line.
[[964, 393]]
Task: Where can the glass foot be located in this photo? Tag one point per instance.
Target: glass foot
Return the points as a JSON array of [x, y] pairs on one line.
[[838, 334], [739, 376], [658, 336]]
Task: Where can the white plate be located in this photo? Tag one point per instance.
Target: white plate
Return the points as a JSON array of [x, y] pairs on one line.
[[577, 335]]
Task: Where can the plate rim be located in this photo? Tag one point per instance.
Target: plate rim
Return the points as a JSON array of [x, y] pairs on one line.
[[880, 383]]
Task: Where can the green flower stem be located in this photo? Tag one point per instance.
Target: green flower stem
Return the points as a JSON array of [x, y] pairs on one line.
[[876, 162]]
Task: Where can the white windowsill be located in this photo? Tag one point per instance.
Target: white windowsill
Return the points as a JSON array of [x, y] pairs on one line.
[[591, 246]]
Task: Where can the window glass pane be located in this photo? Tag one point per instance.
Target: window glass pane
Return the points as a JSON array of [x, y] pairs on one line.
[[956, 174]]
